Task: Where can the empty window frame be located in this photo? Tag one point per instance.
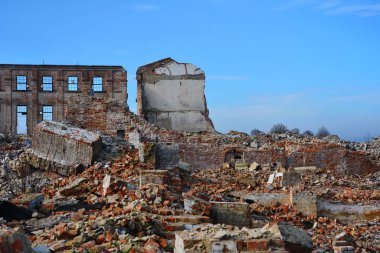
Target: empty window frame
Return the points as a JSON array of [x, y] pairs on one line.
[[21, 124], [47, 112], [47, 83], [21, 82], [72, 83], [97, 84]]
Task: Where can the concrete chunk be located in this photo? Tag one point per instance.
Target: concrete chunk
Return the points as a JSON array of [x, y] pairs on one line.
[[62, 148], [296, 239]]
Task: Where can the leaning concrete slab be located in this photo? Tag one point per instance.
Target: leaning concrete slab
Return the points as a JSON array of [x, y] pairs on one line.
[[62, 148]]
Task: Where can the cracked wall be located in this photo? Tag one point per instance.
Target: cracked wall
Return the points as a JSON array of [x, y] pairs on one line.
[[171, 95]]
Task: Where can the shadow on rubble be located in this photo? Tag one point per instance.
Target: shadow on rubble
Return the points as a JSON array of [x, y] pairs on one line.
[[10, 212], [75, 205], [113, 147]]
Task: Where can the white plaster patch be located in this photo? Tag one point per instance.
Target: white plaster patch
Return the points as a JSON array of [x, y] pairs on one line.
[[193, 70], [175, 95], [191, 121], [178, 69]]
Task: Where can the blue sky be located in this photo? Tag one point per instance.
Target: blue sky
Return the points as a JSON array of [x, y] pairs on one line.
[[305, 63]]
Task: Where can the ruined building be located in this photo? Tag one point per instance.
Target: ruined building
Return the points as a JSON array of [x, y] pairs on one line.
[[171, 95], [30, 94]]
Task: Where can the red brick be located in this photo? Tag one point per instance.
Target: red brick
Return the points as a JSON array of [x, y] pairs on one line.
[[278, 243], [257, 245], [152, 243], [88, 245], [17, 246], [239, 245]]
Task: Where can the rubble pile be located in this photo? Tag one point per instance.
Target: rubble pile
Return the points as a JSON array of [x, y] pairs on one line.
[[14, 168], [121, 204], [348, 191], [63, 149], [217, 184], [104, 209]]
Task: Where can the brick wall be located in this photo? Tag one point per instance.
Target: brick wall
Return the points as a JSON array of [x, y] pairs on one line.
[[113, 85], [97, 114]]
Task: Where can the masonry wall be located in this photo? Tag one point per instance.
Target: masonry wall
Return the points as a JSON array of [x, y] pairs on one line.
[[34, 97], [336, 158], [171, 95]]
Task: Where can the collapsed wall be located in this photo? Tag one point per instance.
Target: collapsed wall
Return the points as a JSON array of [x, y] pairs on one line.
[[194, 151], [63, 149], [171, 95]]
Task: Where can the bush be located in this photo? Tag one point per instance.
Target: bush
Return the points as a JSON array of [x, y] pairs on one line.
[[295, 131], [256, 132], [322, 132], [308, 133], [279, 129]]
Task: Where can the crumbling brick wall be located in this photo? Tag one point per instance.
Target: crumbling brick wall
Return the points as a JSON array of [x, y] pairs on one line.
[[98, 114], [210, 150]]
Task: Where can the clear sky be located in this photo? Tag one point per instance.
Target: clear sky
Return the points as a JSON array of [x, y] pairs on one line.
[[304, 63]]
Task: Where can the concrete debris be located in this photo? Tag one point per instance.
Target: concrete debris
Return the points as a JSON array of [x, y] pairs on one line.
[[296, 239], [103, 207], [224, 238], [63, 149]]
